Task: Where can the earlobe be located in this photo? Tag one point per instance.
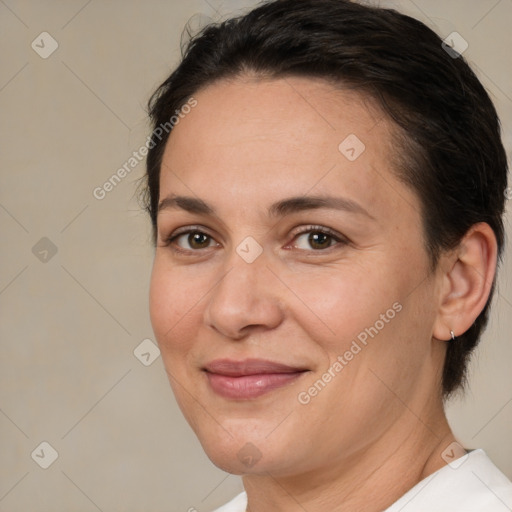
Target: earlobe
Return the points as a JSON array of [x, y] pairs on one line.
[[468, 275]]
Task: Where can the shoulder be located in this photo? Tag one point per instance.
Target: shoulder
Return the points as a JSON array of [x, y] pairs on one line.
[[237, 504], [469, 484]]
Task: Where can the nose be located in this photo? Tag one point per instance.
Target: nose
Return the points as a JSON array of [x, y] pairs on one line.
[[246, 299]]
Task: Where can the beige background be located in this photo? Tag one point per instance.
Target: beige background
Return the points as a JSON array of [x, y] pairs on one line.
[[70, 324]]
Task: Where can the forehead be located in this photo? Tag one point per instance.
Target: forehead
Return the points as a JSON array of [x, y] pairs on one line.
[[287, 111], [282, 137]]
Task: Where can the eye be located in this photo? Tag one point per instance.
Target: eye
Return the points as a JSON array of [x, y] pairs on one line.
[[317, 238], [190, 240]]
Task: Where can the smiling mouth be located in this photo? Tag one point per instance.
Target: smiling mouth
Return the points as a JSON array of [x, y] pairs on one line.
[[250, 378]]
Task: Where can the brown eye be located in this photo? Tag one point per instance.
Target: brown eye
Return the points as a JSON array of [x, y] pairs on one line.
[[316, 240], [191, 240], [197, 240]]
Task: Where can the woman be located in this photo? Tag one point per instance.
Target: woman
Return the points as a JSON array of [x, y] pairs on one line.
[[327, 230]]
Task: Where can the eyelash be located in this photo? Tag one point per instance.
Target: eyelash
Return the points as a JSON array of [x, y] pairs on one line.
[[338, 239]]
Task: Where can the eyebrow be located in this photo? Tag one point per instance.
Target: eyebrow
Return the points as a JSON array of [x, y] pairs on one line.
[[187, 203], [278, 209]]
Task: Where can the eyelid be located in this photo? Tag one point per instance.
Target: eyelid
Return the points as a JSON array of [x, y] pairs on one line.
[[338, 237], [187, 229], [315, 228], [168, 240]]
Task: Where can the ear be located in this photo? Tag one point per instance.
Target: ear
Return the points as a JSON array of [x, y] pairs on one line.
[[467, 274]]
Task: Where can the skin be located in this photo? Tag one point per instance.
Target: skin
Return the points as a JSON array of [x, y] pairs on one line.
[[378, 427]]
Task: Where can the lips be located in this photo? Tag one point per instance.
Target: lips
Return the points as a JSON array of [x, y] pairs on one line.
[[249, 378]]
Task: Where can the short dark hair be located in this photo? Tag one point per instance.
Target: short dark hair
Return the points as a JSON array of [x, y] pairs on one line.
[[447, 128]]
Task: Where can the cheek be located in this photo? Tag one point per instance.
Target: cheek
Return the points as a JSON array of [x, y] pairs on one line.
[[174, 301], [336, 307]]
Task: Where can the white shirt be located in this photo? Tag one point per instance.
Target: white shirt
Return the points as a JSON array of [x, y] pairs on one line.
[[471, 483]]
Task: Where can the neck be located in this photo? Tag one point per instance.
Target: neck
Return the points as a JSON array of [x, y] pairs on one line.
[[370, 480]]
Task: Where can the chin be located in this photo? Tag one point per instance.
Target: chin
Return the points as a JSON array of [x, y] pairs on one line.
[[248, 459], [246, 452]]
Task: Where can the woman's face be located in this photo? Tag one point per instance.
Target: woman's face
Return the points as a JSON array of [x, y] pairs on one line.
[[293, 305]]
